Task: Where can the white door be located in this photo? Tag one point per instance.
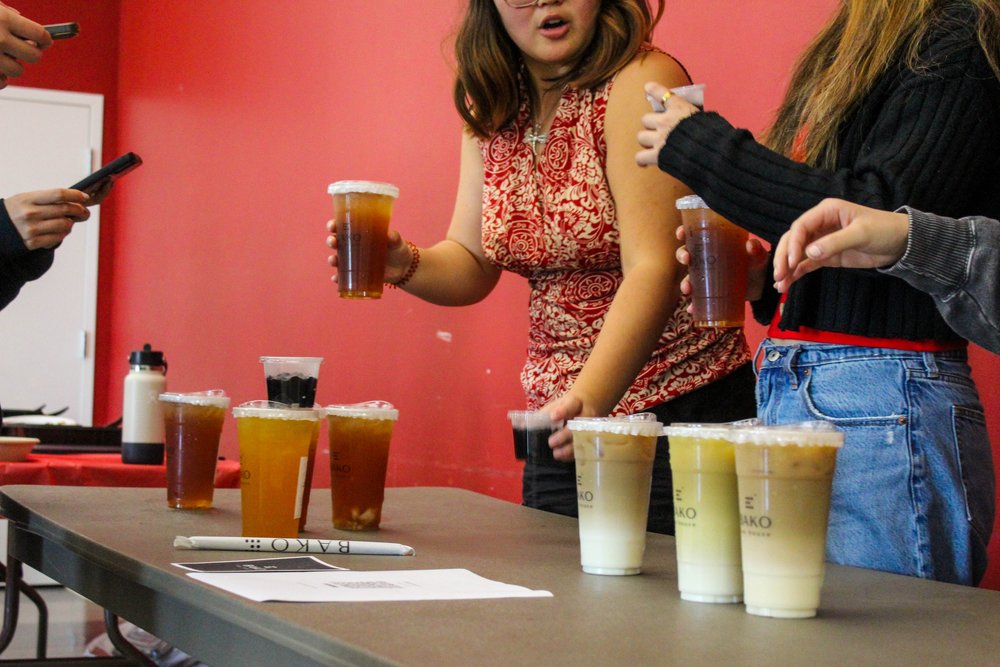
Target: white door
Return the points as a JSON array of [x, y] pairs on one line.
[[52, 139]]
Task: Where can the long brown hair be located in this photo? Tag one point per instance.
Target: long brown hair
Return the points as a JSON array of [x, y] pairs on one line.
[[487, 93], [840, 67]]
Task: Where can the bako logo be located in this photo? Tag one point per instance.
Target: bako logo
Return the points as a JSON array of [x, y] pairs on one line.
[[688, 513], [752, 521], [342, 468], [585, 496]]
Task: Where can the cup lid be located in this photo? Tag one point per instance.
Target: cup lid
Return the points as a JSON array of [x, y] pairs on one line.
[[274, 410], [710, 430], [643, 423], [294, 360], [367, 410], [213, 397], [802, 434], [690, 202], [344, 187], [532, 419]]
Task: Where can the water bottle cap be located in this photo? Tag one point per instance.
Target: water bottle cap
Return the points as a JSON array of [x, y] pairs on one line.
[[147, 356]]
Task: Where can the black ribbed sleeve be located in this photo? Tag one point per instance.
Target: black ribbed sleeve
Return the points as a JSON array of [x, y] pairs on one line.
[[930, 139]]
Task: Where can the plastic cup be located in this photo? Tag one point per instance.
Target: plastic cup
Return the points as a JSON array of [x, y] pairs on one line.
[[693, 93], [292, 380], [706, 513], [359, 456], [718, 265], [785, 474], [274, 459], [614, 472], [531, 431], [361, 213], [192, 424]]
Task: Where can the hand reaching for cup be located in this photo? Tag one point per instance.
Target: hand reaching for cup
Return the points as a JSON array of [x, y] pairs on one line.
[[837, 233], [659, 125], [756, 267]]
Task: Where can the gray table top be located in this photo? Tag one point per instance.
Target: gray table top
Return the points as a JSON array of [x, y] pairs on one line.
[[115, 546]]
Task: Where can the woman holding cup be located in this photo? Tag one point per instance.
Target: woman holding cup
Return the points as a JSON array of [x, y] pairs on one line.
[[550, 91], [895, 102]]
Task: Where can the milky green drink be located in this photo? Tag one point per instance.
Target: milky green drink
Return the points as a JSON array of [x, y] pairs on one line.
[[785, 476], [614, 472], [706, 513]]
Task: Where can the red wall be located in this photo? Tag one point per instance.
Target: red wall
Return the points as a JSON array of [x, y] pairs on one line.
[[244, 111]]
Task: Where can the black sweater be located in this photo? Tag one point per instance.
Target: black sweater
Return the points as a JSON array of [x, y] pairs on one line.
[[929, 139], [18, 265]]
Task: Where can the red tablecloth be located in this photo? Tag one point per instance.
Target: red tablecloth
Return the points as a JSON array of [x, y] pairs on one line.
[[100, 470]]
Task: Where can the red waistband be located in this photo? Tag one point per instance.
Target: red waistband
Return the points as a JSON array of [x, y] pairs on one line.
[[810, 335]]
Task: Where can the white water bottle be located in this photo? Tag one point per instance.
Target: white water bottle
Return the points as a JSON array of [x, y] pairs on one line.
[[142, 417]]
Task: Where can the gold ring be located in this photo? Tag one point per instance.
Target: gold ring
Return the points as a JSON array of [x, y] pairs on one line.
[[666, 96]]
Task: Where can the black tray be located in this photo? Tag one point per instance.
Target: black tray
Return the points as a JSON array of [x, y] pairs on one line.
[[56, 439]]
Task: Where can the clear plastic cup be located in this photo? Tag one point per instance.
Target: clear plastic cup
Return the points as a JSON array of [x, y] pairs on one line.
[[717, 267], [706, 512], [614, 471], [292, 380], [361, 213], [531, 430], [192, 424], [274, 461], [360, 435], [785, 475]]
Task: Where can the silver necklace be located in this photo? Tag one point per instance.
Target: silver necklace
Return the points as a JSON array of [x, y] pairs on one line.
[[534, 137]]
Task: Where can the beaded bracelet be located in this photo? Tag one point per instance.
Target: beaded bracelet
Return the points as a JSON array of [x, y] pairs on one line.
[[414, 263]]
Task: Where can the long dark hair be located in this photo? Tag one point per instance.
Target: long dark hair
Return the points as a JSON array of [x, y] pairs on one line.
[[487, 93]]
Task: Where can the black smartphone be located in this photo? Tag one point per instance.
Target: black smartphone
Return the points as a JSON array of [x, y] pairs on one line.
[[63, 30], [111, 171]]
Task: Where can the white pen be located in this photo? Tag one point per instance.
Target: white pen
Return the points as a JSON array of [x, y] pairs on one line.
[[292, 545]]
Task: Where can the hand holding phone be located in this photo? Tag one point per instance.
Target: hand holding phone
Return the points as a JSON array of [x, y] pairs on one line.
[[63, 30], [109, 172]]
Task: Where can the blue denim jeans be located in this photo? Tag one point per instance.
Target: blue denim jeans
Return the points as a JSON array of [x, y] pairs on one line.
[[913, 491]]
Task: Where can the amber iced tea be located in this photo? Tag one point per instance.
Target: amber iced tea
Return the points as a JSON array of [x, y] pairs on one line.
[[192, 427], [359, 455], [361, 213], [274, 457], [718, 265]]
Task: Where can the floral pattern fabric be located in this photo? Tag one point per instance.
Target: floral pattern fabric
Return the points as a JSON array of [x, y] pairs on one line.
[[552, 219]]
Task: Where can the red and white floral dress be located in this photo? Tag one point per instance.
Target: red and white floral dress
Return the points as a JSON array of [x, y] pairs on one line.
[[552, 219]]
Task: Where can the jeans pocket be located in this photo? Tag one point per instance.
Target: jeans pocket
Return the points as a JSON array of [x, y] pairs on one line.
[[864, 393], [975, 466]]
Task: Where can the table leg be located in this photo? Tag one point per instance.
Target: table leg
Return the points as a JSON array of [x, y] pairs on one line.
[[123, 645], [12, 573]]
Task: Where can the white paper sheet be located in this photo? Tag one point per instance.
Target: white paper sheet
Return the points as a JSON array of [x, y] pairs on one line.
[[355, 586]]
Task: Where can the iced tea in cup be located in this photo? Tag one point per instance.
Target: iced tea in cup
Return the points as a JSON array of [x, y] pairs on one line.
[[292, 381], [192, 424], [274, 460], [361, 212], [706, 513], [717, 267], [359, 455], [785, 474], [614, 472]]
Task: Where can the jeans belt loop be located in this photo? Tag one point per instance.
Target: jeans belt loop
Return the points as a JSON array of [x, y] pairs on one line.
[[930, 363]]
